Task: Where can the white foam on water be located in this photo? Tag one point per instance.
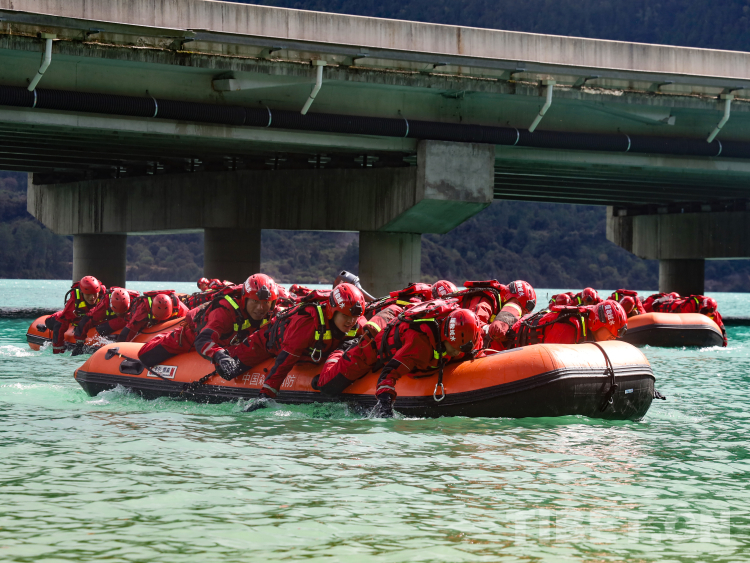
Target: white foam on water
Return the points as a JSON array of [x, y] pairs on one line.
[[10, 351]]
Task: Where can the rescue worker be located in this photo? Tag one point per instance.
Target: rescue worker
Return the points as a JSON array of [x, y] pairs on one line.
[[107, 316], [287, 298], [79, 302], [230, 317], [441, 288], [203, 284], [518, 299], [310, 331], [698, 304], [636, 308], [411, 295], [299, 291], [658, 302], [416, 345], [150, 308], [572, 325], [589, 296]]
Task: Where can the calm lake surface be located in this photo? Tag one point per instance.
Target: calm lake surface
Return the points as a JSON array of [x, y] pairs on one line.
[[118, 478]]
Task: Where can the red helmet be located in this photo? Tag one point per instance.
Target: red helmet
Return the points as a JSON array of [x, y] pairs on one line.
[[119, 301], [348, 299], [523, 292], [260, 287], [90, 285], [627, 303], [161, 307], [674, 295], [562, 299], [610, 315], [589, 296], [283, 292], [203, 284], [461, 330], [708, 305], [441, 288]]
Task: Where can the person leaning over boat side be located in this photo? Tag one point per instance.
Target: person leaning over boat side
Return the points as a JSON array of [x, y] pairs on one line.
[[150, 308], [233, 314], [411, 295], [698, 304], [659, 302], [518, 299], [309, 331], [79, 301], [441, 288], [571, 325], [419, 340], [629, 300], [107, 316]]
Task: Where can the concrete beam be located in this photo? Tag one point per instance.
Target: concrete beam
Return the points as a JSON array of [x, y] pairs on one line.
[[452, 182], [683, 236]]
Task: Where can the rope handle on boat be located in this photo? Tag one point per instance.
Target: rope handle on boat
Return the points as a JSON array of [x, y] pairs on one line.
[[609, 396], [112, 352]]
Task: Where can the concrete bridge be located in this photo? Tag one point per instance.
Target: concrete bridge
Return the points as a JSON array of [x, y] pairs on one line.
[[144, 116]]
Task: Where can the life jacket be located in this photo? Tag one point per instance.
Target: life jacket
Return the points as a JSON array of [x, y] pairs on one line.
[[81, 307], [231, 295], [620, 293], [530, 330], [477, 290], [312, 305], [198, 298], [411, 295], [425, 318], [148, 296]]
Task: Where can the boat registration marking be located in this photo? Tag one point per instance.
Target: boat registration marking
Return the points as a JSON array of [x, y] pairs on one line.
[[165, 371], [628, 391]]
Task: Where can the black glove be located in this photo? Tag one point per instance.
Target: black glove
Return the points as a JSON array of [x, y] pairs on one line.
[[226, 366], [384, 408], [104, 329], [78, 350]]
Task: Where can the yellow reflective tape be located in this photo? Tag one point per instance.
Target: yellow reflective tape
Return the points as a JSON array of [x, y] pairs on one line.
[[320, 313], [352, 332], [377, 328], [232, 302], [404, 303], [492, 318], [327, 335], [264, 322], [422, 320]]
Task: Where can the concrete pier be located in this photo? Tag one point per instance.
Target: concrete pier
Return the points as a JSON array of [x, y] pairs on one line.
[[231, 254], [101, 256], [389, 261], [686, 277]]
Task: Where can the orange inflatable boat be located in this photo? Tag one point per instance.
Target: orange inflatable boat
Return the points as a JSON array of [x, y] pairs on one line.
[[534, 381], [37, 338], [673, 330]]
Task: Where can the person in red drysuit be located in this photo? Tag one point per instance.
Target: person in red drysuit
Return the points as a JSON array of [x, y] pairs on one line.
[[624, 298], [232, 315], [441, 288], [107, 316], [150, 308], [309, 331], [518, 298], [572, 325], [409, 347], [411, 295], [659, 302], [82, 298], [351, 362], [698, 304]]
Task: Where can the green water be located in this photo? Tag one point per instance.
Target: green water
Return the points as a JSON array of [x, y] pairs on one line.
[[117, 478]]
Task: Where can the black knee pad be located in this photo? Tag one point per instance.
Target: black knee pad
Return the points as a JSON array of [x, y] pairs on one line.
[[155, 356], [336, 386]]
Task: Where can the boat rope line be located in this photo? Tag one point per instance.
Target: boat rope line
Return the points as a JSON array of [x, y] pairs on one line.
[[609, 395]]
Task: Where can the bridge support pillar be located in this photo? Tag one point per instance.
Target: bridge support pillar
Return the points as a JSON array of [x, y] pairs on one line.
[[231, 254], [686, 277], [682, 242], [389, 261], [101, 256]]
